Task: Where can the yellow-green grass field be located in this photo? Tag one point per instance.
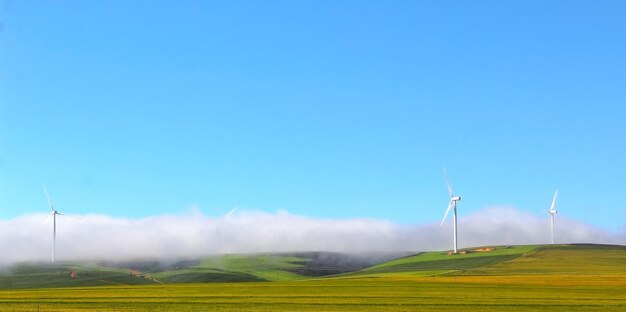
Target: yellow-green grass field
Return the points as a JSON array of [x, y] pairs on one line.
[[524, 278]]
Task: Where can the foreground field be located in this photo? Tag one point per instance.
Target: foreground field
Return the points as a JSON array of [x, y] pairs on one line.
[[511, 278], [464, 293]]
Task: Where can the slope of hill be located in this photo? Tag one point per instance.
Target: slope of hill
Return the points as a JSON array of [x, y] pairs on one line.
[[48, 275], [223, 268], [579, 259], [486, 261], [508, 260], [235, 268], [507, 278], [270, 267], [439, 262]]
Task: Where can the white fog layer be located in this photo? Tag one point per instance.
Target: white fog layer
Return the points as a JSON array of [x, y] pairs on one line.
[[101, 237]]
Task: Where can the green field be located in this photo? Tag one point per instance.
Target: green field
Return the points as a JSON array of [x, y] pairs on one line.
[[237, 268], [222, 268], [511, 278]]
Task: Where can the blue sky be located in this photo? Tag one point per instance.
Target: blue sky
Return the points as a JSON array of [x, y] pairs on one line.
[[330, 109]]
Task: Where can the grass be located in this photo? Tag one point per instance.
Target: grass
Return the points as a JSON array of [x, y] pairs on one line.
[[424, 294], [223, 268], [57, 275], [520, 278], [563, 259], [440, 262], [240, 268]]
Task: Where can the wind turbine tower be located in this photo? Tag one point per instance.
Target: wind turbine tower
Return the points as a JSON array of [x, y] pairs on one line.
[[451, 204], [54, 223], [552, 212]]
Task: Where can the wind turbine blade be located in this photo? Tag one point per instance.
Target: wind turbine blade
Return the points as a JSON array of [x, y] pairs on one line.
[[554, 200], [447, 211], [230, 212], [48, 197], [445, 175]]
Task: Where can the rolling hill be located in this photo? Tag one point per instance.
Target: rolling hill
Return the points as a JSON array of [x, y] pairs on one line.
[[222, 268], [574, 259], [501, 278]]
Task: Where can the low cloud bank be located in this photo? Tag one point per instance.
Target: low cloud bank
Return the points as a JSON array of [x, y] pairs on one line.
[[101, 237]]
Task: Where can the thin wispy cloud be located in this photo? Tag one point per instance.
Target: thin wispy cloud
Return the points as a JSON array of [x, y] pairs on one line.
[[102, 237]]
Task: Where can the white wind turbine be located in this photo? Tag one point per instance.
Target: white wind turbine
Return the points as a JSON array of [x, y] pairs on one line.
[[552, 212], [452, 204], [54, 223]]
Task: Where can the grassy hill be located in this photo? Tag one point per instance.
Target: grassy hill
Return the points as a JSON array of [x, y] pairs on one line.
[[236, 268], [504, 278], [47, 275], [433, 263], [227, 268], [486, 261], [575, 259], [508, 260], [223, 268]]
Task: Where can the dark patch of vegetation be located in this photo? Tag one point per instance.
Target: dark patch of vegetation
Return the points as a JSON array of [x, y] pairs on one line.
[[331, 263], [212, 277]]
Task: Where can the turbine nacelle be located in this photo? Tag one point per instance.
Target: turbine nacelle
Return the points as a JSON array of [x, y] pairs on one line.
[[455, 198]]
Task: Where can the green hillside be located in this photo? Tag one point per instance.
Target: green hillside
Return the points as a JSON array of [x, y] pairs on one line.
[[575, 259], [508, 260], [487, 261], [58, 275], [504, 278], [441, 262], [269, 267], [227, 268], [222, 268], [236, 268]]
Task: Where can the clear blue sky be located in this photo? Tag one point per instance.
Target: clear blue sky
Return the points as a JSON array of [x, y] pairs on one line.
[[333, 109]]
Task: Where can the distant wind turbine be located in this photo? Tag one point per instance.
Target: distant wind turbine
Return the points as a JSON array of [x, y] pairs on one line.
[[452, 204], [54, 223], [552, 212]]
